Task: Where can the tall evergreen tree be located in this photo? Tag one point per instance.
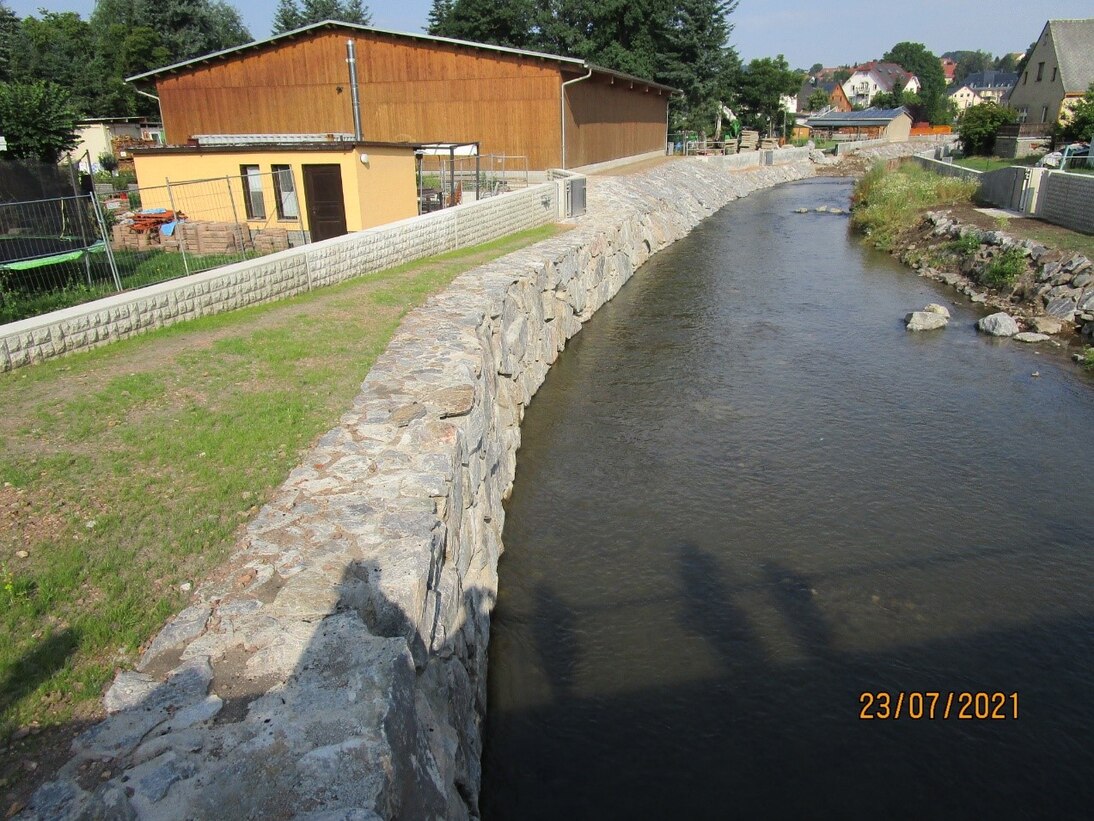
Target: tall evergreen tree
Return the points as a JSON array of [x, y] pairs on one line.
[[9, 28], [505, 23], [696, 58], [438, 16], [291, 15]]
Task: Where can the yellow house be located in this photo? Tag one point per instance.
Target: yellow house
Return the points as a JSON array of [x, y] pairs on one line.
[[323, 189]]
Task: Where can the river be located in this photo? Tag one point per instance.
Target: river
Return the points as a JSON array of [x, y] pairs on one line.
[[745, 497]]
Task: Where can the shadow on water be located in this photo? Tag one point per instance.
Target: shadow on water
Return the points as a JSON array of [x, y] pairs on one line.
[[776, 739]]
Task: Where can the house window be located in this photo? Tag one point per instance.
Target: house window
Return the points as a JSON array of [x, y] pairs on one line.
[[288, 207], [1054, 73], [1044, 114], [1025, 77], [252, 192], [1023, 113], [1040, 71]]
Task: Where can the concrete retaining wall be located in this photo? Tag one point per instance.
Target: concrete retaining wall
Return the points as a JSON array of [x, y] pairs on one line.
[[1068, 200], [337, 667], [272, 277]]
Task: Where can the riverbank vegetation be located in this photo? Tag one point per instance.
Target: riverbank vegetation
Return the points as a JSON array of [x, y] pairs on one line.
[[127, 472], [888, 202]]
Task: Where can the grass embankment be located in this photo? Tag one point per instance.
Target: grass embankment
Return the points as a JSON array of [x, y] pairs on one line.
[[126, 472], [886, 203]]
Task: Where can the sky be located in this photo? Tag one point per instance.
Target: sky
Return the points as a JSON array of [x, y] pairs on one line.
[[832, 32]]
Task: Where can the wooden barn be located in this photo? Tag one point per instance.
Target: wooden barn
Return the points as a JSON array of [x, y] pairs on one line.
[[371, 84]]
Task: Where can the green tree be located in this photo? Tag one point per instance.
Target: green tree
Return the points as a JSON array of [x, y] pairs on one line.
[[287, 17], [970, 62], [1078, 124], [187, 28], [695, 57], [488, 21], [761, 87], [817, 101], [9, 28], [1007, 62], [58, 48], [37, 120], [979, 125], [291, 15], [915, 57]]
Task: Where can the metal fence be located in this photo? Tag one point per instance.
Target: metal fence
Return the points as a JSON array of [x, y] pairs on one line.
[[64, 251], [447, 181]]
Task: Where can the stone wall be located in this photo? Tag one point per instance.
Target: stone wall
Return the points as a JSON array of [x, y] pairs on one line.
[[272, 277], [1068, 200], [336, 669]]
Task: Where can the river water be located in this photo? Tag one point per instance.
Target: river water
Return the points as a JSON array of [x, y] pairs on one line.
[[745, 497]]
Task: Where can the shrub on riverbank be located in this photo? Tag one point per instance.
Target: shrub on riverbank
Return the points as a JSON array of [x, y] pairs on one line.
[[887, 202]]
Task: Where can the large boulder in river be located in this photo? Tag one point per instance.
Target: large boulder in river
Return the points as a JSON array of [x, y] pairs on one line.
[[925, 321], [1000, 324], [935, 308]]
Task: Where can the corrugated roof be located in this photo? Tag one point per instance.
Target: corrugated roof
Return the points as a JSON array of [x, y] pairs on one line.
[[871, 116], [577, 63], [1074, 42]]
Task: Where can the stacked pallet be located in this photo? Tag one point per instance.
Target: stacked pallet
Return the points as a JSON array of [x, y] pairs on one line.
[[769, 144], [749, 140]]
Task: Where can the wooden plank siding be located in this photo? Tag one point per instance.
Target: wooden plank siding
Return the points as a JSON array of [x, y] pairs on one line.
[[410, 90], [608, 118]]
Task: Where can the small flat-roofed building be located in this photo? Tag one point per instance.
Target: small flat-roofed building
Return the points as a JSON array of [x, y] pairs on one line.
[[893, 124]]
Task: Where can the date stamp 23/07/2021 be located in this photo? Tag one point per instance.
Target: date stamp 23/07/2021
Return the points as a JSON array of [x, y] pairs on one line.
[[934, 705]]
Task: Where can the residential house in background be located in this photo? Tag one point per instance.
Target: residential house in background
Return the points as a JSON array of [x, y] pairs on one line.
[[1058, 72], [983, 87], [111, 135], [949, 69], [837, 99], [389, 86], [870, 79]]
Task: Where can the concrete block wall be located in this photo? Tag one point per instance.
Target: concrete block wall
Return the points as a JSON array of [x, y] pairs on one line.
[[337, 667], [1068, 200], [272, 277]]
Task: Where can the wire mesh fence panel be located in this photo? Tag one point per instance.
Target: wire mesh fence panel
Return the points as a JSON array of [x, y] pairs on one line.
[[67, 250], [447, 181], [163, 232], [53, 254]]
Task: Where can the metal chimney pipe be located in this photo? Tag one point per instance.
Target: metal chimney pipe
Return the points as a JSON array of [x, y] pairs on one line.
[[351, 52]]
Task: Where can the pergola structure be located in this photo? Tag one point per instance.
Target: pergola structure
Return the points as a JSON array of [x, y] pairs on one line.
[[448, 192]]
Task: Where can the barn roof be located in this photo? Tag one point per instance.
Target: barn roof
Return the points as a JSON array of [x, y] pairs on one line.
[[577, 64]]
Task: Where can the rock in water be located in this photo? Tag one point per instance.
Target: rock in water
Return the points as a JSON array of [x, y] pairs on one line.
[[1028, 336], [1000, 324], [935, 308], [925, 321], [1047, 325]]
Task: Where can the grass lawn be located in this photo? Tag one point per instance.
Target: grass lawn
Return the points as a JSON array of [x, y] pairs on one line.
[[128, 471], [995, 163]]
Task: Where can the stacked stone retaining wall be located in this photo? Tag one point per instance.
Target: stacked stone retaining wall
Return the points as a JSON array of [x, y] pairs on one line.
[[337, 667]]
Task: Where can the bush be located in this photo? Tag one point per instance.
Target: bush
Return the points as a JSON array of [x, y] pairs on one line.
[[979, 125], [1004, 269], [887, 202]]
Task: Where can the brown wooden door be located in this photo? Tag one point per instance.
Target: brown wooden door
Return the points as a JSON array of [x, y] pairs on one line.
[[326, 204]]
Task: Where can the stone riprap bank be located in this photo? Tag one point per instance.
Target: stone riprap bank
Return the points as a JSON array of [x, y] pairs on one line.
[[337, 669]]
